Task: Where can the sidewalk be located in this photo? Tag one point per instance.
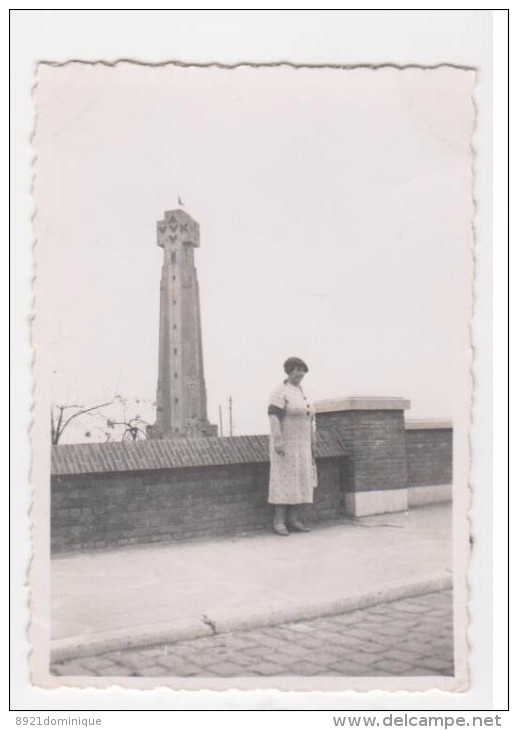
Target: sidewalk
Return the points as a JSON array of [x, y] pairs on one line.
[[131, 597]]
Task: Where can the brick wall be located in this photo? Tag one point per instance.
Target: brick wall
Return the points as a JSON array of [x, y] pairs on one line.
[[429, 455], [105, 495], [95, 505]]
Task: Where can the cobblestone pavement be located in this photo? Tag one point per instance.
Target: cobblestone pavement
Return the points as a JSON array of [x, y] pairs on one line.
[[409, 637]]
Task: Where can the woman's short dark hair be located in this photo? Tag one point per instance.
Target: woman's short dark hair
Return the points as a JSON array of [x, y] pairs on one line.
[[294, 362]]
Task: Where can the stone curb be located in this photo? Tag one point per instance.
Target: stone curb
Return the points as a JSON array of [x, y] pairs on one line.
[[75, 647]]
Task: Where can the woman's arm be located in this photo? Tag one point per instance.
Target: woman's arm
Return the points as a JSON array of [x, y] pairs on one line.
[[313, 435], [276, 431]]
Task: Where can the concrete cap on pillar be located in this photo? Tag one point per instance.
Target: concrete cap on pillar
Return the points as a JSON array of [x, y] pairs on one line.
[[334, 405]]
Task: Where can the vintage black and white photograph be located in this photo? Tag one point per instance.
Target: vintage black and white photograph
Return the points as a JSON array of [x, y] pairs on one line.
[[252, 375]]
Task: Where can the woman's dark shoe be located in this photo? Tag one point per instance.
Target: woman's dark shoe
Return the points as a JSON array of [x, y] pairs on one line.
[[299, 526], [280, 529]]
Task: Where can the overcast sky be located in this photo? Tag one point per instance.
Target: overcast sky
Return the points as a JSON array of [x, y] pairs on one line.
[[335, 219]]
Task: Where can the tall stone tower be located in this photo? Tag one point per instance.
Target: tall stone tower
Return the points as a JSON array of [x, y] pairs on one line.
[[181, 393]]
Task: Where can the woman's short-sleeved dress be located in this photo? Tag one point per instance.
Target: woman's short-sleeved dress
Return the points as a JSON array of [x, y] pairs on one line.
[[293, 475]]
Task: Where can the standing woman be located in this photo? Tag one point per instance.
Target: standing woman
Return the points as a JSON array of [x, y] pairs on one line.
[[293, 475]]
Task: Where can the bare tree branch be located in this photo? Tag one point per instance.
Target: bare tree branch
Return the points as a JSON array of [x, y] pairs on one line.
[[58, 428]]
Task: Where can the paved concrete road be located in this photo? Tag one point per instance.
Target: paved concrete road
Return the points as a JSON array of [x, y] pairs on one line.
[[410, 637]]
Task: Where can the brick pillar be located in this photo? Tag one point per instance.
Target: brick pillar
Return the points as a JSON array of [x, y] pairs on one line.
[[374, 431]]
